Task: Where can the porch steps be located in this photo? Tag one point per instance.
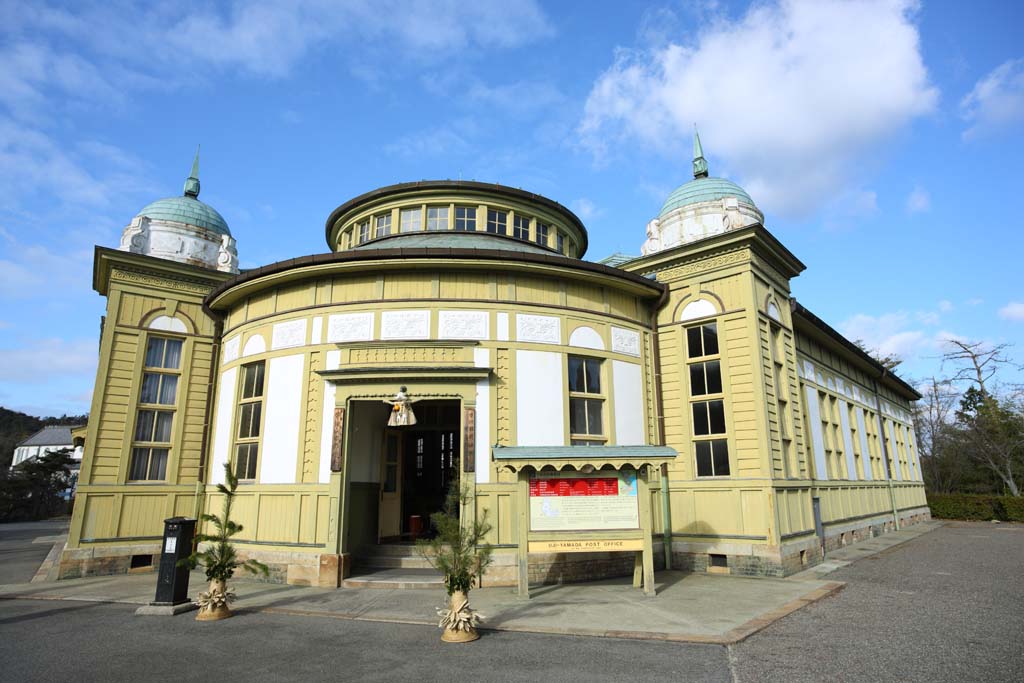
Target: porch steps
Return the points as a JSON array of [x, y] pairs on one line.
[[391, 556], [394, 579]]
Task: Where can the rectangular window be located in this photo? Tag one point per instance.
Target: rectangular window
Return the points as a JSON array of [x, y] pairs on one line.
[[382, 225], [586, 402], [711, 450], [437, 218], [543, 229], [152, 437], [465, 218], [411, 220], [705, 378], [702, 340], [712, 458], [560, 243], [250, 420], [521, 228], [497, 222], [364, 231]]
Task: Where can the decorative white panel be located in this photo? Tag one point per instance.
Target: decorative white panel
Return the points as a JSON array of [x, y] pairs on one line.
[[283, 419], [587, 338], [168, 324], [229, 351], [405, 325], [333, 360], [817, 438], [699, 308], [463, 325], [348, 327], [540, 418], [538, 328], [502, 326], [629, 404], [625, 341], [327, 427], [222, 425], [318, 330], [255, 344], [773, 312], [288, 335]]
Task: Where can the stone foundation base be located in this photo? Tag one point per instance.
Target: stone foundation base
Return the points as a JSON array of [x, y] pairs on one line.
[[795, 555], [104, 560]]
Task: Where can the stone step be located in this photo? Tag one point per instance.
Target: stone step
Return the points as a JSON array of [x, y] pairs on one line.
[[391, 549], [395, 579], [392, 562]]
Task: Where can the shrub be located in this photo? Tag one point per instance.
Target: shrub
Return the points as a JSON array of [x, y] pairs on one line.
[[976, 507]]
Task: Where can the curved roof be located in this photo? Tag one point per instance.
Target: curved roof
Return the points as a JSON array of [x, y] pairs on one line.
[[443, 239], [187, 210], [456, 186], [704, 190]]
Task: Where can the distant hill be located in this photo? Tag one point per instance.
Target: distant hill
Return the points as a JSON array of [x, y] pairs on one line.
[[16, 427]]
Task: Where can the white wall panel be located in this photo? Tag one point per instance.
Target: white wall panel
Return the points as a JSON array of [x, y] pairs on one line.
[[222, 425], [627, 386], [865, 454], [282, 419], [817, 438], [540, 418]]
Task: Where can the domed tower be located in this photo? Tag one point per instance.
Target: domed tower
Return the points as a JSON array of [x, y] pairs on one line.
[[699, 208], [183, 229]]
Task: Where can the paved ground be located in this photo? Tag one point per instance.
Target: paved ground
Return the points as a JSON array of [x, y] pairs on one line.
[[946, 606], [19, 556]]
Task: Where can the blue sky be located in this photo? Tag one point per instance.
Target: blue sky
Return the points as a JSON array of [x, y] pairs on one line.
[[881, 139]]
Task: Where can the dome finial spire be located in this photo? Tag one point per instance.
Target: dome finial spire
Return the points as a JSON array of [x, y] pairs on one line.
[[700, 165], [192, 183]]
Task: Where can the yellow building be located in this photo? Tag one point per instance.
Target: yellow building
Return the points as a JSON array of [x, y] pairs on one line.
[[680, 400]]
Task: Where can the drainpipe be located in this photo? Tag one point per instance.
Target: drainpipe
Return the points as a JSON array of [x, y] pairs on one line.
[[885, 452], [666, 512]]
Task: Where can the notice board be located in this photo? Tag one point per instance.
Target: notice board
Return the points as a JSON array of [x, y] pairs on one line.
[[574, 501]]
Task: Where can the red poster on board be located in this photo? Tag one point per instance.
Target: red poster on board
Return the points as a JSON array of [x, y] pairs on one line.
[[605, 486]]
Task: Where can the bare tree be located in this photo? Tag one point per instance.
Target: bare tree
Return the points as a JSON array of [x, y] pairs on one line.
[[934, 428], [993, 427]]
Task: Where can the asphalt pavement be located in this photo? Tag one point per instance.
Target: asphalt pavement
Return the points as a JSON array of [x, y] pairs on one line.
[[945, 606], [19, 556]]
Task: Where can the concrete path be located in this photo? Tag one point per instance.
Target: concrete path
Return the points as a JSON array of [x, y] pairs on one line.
[[837, 559], [696, 608]]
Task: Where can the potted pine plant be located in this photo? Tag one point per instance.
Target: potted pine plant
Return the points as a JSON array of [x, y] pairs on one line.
[[219, 558], [459, 552]]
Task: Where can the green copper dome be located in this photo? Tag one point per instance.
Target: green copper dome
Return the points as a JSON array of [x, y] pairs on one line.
[[703, 188], [188, 208]]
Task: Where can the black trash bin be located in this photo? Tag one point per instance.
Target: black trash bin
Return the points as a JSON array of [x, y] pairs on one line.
[[172, 582]]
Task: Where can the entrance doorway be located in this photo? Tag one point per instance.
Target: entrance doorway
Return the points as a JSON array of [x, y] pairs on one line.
[[419, 464]]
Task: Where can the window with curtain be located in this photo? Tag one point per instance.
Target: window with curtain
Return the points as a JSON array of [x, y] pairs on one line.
[[707, 401], [154, 419], [250, 420], [586, 402]]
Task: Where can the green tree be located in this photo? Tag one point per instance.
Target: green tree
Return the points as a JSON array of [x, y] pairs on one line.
[[34, 489], [993, 435]]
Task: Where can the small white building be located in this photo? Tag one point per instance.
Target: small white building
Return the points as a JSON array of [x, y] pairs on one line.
[[48, 440]]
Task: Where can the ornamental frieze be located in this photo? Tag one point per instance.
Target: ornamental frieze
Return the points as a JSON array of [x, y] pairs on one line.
[[159, 282], [720, 261]]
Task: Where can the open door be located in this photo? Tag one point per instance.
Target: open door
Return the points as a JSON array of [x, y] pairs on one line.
[[390, 525]]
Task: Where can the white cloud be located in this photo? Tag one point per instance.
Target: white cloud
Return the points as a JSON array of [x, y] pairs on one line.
[[945, 306], [793, 93], [1012, 311], [30, 271], [997, 100], [975, 301], [918, 201], [586, 209], [38, 360], [430, 143]]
